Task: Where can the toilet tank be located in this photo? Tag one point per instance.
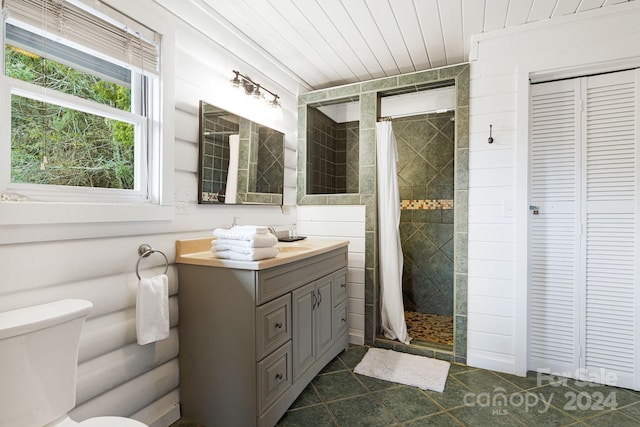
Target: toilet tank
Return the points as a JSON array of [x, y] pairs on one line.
[[38, 361]]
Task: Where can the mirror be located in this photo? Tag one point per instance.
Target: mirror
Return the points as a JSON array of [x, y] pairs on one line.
[[239, 161], [333, 130]]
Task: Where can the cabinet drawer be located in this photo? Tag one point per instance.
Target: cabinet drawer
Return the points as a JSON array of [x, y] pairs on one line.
[[339, 286], [273, 325], [340, 323], [279, 280], [274, 376]]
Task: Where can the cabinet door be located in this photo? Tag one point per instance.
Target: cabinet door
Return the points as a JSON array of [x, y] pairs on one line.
[[323, 315], [304, 301]]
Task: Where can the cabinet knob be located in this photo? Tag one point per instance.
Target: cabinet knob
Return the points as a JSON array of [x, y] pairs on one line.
[[344, 320], [279, 325], [343, 285], [279, 377]]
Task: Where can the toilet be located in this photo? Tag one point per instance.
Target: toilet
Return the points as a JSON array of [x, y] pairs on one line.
[[38, 363]]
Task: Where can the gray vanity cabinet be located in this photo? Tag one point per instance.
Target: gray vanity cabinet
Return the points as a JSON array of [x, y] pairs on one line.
[[251, 340]]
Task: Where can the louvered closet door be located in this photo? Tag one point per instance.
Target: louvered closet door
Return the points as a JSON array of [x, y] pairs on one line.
[[554, 236], [583, 290], [611, 301]]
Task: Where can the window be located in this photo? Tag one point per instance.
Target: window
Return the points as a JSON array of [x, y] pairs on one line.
[[81, 97]]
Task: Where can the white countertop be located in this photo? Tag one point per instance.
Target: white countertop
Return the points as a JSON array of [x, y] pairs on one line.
[[198, 252]]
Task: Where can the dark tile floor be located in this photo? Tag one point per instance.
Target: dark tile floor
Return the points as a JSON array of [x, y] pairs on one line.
[[472, 397]]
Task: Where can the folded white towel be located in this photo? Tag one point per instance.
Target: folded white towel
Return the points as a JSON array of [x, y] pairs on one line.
[[240, 232], [257, 241], [255, 255], [235, 248], [152, 309], [258, 229]]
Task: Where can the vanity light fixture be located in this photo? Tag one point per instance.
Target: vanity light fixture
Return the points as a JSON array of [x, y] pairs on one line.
[[249, 87]]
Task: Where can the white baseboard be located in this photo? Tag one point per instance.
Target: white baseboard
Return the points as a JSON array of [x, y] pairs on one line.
[[356, 337]]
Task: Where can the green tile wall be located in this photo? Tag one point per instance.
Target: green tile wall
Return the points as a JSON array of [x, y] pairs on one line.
[[215, 153], [270, 167], [332, 162], [352, 135], [426, 148]]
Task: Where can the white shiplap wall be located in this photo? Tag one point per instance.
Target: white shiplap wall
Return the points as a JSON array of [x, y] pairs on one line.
[[342, 222], [501, 65], [116, 376], [43, 263]]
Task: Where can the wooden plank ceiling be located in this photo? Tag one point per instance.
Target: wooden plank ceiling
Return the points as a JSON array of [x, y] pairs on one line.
[[324, 43]]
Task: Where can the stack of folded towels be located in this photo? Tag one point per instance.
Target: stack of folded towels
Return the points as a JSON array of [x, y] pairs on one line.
[[244, 243]]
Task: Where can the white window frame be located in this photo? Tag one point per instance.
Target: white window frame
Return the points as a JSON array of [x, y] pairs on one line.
[[151, 200], [53, 193]]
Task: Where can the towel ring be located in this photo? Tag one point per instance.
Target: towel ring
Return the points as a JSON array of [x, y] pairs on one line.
[[146, 250]]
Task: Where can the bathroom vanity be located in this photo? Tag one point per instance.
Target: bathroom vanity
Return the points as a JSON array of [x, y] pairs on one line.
[[253, 334]]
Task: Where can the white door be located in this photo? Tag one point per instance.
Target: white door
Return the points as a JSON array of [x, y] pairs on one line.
[[583, 288], [554, 227]]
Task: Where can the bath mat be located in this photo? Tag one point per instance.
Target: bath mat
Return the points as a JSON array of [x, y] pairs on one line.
[[409, 369]]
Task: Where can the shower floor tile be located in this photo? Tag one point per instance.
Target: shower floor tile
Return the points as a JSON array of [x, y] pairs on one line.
[[429, 327]]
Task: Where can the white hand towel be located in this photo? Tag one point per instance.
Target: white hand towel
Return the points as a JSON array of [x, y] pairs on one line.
[[255, 255], [257, 241], [240, 232], [152, 309]]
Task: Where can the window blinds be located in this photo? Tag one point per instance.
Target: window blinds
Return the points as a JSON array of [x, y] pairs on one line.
[[138, 47]]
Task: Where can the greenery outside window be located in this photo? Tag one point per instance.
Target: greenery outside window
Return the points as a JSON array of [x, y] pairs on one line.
[[80, 106]]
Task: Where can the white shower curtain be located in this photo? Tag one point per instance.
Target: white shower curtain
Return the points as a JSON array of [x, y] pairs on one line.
[[232, 172], [390, 252]]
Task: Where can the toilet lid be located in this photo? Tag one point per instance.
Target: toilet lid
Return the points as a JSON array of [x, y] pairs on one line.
[[111, 422]]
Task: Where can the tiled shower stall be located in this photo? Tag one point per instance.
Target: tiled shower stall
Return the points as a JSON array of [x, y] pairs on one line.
[[426, 147], [369, 95]]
